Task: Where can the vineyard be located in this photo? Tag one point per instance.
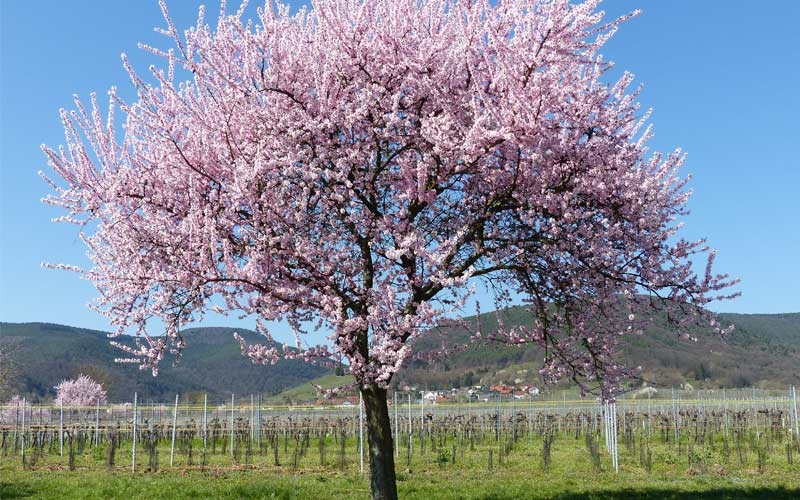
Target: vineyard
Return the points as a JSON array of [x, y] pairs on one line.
[[707, 432]]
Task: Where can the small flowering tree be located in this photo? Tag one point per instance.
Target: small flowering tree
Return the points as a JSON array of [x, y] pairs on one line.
[[82, 391], [11, 409], [362, 164]]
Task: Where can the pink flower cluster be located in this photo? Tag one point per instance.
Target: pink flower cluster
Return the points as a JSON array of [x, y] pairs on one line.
[[364, 163]]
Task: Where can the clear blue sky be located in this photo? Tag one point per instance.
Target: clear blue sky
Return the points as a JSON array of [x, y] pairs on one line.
[[723, 78]]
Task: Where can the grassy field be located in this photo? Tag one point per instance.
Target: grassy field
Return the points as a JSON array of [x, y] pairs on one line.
[[517, 473], [436, 484], [307, 392]]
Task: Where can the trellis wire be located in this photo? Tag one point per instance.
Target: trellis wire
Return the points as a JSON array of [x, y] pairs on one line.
[[755, 423]]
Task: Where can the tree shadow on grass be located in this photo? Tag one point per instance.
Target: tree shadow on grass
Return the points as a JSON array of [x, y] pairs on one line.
[[779, 493], [10, 491]]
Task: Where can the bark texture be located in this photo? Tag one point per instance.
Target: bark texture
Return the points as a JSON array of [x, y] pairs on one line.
[[383, 484]]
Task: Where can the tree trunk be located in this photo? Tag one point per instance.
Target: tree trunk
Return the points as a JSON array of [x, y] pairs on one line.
[[382, 482]]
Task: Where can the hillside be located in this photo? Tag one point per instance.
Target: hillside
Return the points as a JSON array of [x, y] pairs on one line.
[[44, 354], [763, 351]]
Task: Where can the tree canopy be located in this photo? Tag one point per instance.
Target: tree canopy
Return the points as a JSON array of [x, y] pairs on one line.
[[354, 163], [82, 391], [360, 164]]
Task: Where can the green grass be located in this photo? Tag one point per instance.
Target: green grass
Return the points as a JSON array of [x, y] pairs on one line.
[[306, 392], [431, 484], [432, 475]]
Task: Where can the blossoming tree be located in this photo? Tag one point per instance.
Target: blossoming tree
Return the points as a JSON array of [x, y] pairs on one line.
[[361, 164], [82, 391], [10, 412]]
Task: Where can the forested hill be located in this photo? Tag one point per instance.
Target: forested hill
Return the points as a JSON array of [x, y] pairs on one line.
[[764, 350], [43, 354]]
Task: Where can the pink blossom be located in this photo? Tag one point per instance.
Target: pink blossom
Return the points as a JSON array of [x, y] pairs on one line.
[[342, 168], [82, 391], [363, 164]]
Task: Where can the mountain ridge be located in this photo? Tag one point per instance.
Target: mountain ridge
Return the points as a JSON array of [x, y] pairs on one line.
[[763, 351]]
